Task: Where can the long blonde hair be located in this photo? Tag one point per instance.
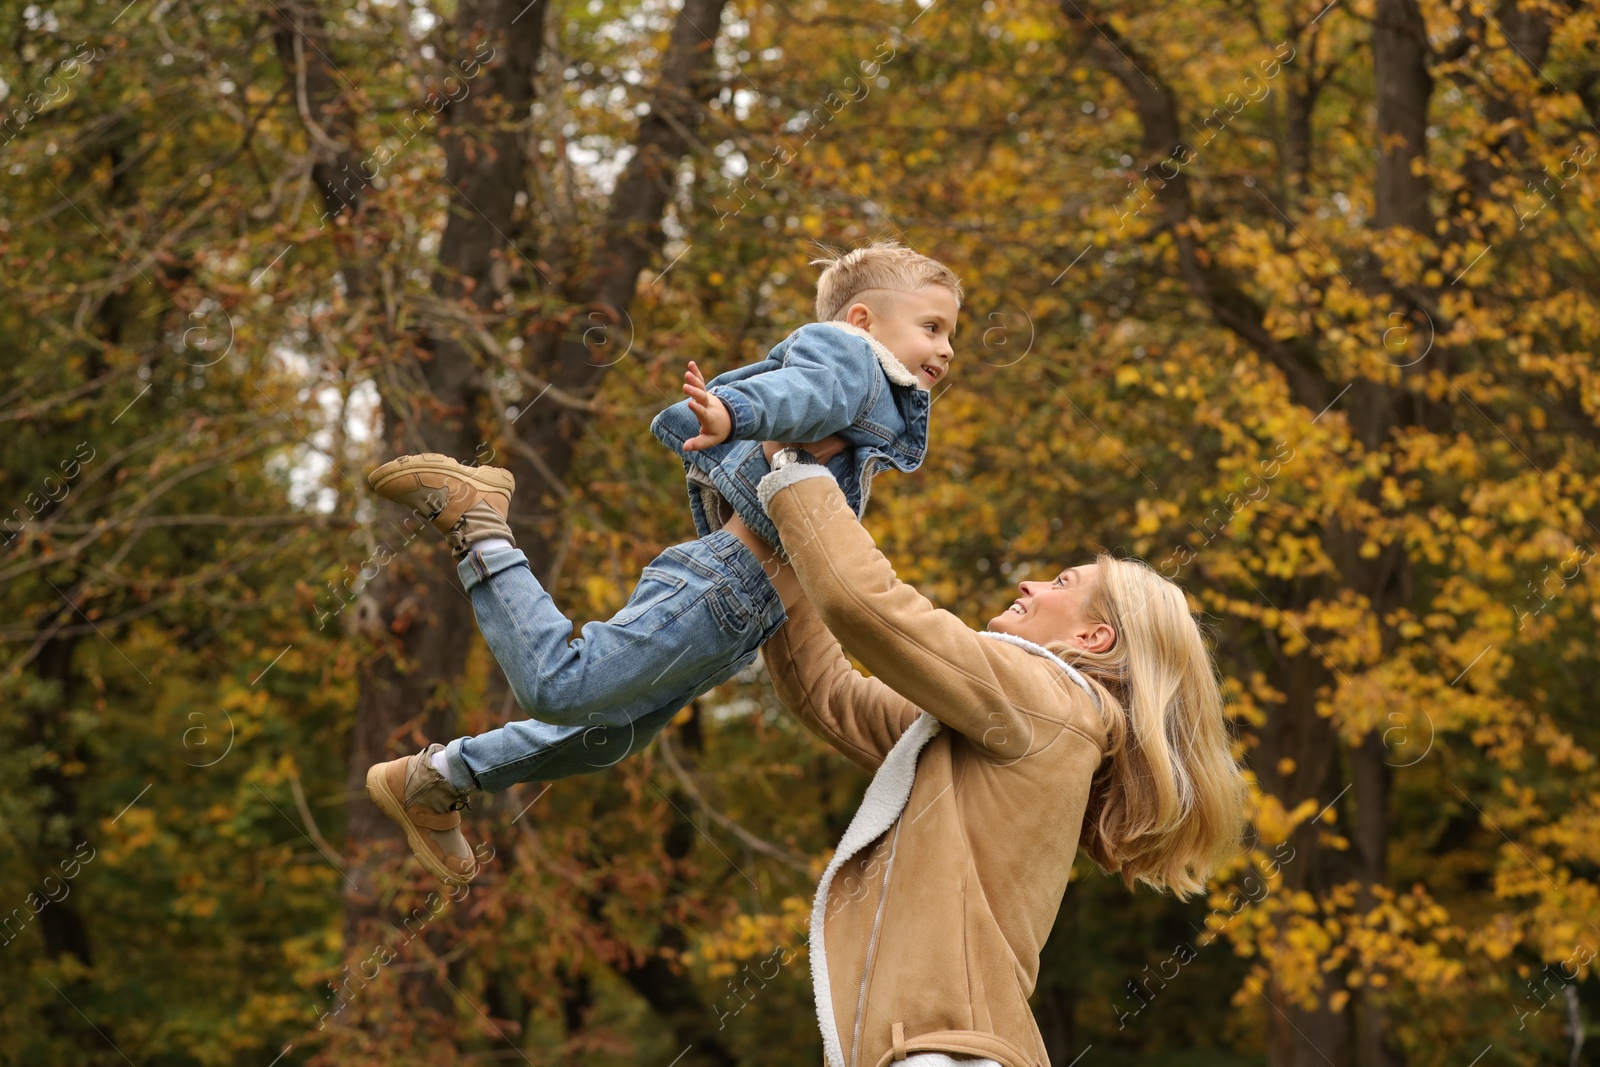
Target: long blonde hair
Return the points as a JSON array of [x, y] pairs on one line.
[[1168, 805]]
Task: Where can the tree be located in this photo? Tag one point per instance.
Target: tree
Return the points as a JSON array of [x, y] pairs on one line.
[[1295, 303]]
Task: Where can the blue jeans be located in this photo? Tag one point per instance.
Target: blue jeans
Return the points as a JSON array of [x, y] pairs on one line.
[[696, 618]]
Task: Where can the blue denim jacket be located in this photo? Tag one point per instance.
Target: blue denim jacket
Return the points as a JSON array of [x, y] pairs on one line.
[[825, 378]]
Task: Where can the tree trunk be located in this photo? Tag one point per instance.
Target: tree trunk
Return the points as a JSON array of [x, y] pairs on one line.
[[435, 398], [1375, 409], [1400, 54], [575, 359], [1400, 68], [665, 988], [61, 923], [1297, 760], [404, 696]]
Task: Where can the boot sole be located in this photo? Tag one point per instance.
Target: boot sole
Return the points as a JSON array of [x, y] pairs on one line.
[[390, 805], [487, 480]]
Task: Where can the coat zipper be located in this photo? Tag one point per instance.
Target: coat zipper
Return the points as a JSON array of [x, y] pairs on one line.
[[872, 945]]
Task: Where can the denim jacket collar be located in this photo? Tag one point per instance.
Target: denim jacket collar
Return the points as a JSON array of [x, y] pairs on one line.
[[896, 371]]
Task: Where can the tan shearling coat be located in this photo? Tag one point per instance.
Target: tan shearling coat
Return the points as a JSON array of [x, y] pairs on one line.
[[928, 923]]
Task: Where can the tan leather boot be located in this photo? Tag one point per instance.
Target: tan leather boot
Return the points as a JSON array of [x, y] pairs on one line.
[[428, 808], [464, 503]]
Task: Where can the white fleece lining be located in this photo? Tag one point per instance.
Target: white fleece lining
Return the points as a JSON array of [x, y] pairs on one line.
[[898, 372], [885, 799], [774, 482], [883, 803]]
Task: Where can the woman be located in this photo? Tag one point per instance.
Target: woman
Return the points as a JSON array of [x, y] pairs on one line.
[[994, 761]]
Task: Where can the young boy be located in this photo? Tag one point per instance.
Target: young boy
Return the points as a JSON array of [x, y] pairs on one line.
[[859, 377]]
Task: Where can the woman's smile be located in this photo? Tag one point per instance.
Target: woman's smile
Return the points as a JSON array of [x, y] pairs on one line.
[[1056, 610]]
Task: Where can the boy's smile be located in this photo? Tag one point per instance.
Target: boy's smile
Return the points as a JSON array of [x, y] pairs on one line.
[[916, 326]]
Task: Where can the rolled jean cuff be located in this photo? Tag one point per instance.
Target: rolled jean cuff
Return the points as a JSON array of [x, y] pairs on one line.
[[479, 565], [461, 776]]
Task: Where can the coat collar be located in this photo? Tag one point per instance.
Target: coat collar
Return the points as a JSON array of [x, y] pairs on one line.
[[1040, 650], [896, 371]]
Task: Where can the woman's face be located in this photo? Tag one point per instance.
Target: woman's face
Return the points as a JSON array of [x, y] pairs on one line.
[[1057, 611]]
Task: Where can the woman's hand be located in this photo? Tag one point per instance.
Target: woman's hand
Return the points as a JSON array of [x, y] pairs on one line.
[[824, 449], [716, 423]]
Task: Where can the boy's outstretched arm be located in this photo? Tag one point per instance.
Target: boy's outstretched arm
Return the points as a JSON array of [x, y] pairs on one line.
[[822, 388], [716, 422]]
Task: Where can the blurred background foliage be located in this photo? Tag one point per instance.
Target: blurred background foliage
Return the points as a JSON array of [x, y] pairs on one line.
[[1298, 302]]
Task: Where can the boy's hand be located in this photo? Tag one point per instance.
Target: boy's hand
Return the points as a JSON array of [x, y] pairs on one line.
[[715, 421]]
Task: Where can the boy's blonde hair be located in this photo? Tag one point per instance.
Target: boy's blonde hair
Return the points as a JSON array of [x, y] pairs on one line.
[[1170, 803], [880, 265]]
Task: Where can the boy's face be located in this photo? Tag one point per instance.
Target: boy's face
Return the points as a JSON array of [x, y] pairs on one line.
[[916, 326]]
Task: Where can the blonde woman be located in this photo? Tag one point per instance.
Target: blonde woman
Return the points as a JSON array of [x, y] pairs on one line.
[[995, 759]]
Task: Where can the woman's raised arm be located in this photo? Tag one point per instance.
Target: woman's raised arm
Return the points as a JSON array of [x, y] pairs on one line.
[[1006, 700], [859, 716]]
